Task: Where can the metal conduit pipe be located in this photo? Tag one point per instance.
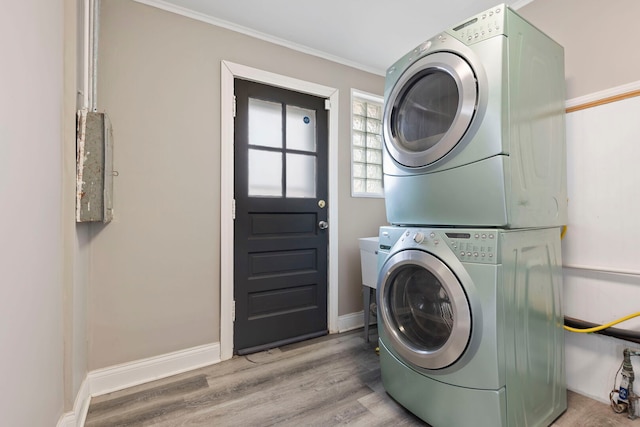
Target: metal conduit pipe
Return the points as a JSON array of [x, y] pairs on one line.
[[623, 334]]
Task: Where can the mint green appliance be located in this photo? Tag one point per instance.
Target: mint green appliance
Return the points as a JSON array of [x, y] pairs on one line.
[[474, 128], [470, 324]]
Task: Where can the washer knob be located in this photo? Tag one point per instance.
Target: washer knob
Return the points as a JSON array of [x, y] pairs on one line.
[[418, 237]]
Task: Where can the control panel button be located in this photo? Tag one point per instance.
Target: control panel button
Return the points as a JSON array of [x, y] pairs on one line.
[[462, 253], [418, 237]]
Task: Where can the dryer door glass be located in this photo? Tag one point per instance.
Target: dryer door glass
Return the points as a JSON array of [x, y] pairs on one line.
[[429, 109], [426, 111], [425, 311]]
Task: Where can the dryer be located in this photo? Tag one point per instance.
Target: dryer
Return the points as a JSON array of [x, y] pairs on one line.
[[474, 130], [471, 324]]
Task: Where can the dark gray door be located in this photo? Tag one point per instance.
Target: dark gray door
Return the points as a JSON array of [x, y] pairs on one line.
[[280, 234]]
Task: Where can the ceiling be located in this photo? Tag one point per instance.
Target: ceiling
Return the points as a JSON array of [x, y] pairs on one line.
[[368, 34]]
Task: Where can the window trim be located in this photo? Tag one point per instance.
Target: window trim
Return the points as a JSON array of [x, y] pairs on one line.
[[369, 97]]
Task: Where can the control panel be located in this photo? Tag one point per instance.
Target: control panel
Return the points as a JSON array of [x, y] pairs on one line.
[[468, 245], [482, 26], [474, 246]]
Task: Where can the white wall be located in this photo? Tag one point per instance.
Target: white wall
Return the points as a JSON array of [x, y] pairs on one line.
[[602, 236], [31, 318]]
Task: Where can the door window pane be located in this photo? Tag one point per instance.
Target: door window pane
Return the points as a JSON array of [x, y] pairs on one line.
[[420, 308], [301, 129], [301, 175], [265, 173], [265, 123]]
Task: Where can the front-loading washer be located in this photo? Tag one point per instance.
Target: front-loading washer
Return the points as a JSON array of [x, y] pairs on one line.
[[472, 324], [474, 129]]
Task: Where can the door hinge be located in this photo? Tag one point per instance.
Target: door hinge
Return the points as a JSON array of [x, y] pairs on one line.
[[233, 208], [327, 104], [234, 106], [233, 311]]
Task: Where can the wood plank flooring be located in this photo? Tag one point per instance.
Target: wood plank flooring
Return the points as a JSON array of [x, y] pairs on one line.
[[327, 381]]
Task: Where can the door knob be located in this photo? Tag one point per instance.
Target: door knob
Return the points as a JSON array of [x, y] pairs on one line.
[[323, 225]]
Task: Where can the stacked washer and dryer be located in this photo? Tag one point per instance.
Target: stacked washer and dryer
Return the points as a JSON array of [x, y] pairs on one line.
[[470, 286]]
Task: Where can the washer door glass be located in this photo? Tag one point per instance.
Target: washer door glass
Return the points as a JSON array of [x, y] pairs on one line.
[[424, 309], [430, 109]]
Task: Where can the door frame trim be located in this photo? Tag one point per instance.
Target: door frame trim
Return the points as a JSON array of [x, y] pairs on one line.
[[229, 71]]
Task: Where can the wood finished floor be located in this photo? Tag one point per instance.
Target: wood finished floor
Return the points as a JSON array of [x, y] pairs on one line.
[[327, 381]]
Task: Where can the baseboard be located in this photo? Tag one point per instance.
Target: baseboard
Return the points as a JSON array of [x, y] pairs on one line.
[[78, 415], [352, 321], [126, 375], [119, 377], [67, 420]]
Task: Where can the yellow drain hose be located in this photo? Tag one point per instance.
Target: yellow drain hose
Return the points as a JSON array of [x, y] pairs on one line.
[[563, 232], [601, 327]]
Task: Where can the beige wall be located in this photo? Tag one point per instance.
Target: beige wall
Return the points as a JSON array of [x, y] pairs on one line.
[[31, 285], [599, 39], [155, 269], [75, 263]]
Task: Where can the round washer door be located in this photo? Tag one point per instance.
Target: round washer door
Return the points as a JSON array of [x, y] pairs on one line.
[[425, 311], [429, 109]]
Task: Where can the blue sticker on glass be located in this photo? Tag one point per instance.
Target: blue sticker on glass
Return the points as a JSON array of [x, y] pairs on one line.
[[306, 120]]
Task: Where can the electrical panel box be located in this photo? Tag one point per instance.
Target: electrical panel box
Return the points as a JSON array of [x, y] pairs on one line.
[[94, 162]]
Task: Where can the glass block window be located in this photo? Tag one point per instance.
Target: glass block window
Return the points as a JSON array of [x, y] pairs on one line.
[[366, 145]]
